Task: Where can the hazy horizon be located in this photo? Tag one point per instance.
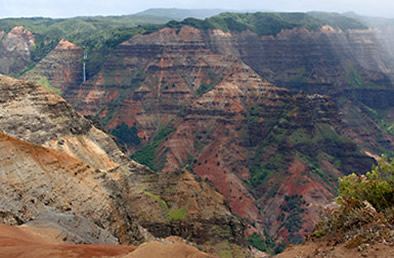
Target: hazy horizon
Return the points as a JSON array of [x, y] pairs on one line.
[[72, 8]]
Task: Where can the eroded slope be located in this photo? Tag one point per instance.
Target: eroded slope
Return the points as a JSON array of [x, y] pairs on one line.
[[70, 166]]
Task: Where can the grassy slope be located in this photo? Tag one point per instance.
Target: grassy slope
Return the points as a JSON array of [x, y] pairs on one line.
[[271, 23]]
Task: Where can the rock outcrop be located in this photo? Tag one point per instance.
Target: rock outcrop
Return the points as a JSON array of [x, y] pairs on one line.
[[15, 50], [60, 69], [55, 160], [73, 229], [191, 105], [355, 67], [36, 179]]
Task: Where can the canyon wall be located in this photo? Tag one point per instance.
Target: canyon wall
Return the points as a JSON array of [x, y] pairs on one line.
[[55, 160]]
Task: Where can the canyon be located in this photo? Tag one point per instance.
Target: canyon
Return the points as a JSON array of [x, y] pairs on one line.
[[223, 120], [55, 160]]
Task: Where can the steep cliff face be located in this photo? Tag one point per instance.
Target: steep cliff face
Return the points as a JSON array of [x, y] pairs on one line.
[[60, 69], [320, 61], [34, 114], [38, 179], [355, 66], [56, 160], [206, 99], [15, 50], [173, 100]]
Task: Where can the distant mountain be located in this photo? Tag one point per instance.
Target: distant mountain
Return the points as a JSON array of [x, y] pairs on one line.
[[372, 21], [180, 14]]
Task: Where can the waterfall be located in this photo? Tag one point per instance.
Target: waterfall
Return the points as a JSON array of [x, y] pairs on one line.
[[85, 56], [84, 71]]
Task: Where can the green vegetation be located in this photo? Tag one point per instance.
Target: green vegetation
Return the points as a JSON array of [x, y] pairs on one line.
[[256, 241], [353, 77], [278, 145], [43, 46], [163, 205], [84, 31], [127, 135], [293, 222], [177, 214], [280, 248], [213, 80], [42, 80], [204, 88], [269, 23], [261, 173], [365, 211], [97, 34], [170, 214], [108, 117], [324, 143], [381, 118], [268, 245], [377, 187], [147, 155], [336, 20], [293, 203], [256, 133]]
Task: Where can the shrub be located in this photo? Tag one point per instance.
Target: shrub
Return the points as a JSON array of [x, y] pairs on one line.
[[127, 135], [364, 210], [256, 241], [377, 187]]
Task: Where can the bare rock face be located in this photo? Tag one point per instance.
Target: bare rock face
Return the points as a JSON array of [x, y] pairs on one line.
[[37, 115], [355, 67], [15, 50], [36, 179], [190, 100], [41, 110], [188, 208], [301, 54], [74, 229], [55, 160], [60, 69]]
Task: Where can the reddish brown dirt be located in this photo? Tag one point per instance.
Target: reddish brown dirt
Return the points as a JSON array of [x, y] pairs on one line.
[[174, 250], [323, 249], [34, 243], [29, 242]]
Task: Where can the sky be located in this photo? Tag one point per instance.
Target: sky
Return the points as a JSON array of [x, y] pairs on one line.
[[71, 8]]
